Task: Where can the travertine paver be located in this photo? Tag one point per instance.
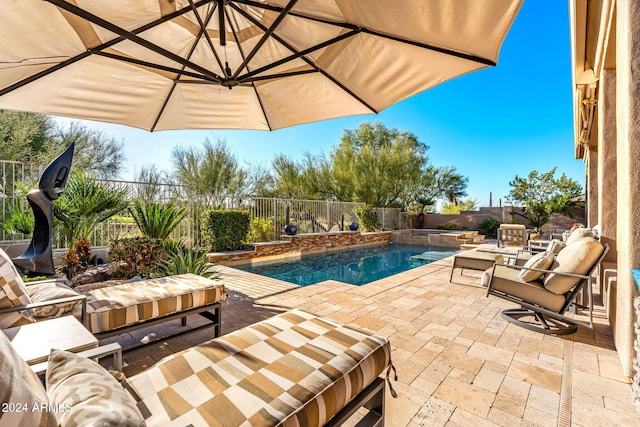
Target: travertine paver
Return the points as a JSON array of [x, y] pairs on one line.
[[458, 361]]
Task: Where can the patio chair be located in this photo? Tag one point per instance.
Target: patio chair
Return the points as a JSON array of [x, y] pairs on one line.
[[22, 303], [512, 235], [546, 286]]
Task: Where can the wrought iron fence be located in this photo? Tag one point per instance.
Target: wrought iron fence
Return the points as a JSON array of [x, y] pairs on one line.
[[14, 175], [310, 216]]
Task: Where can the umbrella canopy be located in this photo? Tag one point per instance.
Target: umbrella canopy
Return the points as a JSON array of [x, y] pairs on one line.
[[237, 64]]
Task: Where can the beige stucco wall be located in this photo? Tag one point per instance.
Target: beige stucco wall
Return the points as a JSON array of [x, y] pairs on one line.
[[628, 174]]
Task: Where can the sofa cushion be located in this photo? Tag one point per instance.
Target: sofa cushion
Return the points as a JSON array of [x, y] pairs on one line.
[[50, 291], [122, 305], [541, 261], [23, 396], [291, 369], [13, 293], [577, 257], [89, 394]]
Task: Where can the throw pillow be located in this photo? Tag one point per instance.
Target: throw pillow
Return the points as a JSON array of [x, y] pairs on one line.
[[49, 291], [12, 294], [92, 394], [24, 400], [577, 258], [540, 261]]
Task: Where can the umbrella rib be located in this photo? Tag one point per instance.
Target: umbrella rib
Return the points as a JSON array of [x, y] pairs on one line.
[[309, 62], [152, 65], [203, 27], [255, 89], [296, 55], [439, 49], [203, 31], [131, 36], [44, 73], [265, 37]]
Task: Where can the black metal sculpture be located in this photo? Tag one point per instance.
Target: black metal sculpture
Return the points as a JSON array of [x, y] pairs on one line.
[[38, 258]]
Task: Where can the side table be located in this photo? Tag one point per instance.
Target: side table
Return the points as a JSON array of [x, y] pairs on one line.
[[34, 341]]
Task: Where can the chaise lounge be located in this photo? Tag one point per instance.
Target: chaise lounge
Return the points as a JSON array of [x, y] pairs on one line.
[[110, 310], [294, 369]]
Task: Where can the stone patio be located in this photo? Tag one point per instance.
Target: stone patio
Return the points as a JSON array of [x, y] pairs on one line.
[[458, 361]]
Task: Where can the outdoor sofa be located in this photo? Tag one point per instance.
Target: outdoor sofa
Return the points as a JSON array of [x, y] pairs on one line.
[[111, 310], [294, 369]]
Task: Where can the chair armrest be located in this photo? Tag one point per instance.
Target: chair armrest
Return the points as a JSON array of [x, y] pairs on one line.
[[29, 306], [62, 280], [112, 349]]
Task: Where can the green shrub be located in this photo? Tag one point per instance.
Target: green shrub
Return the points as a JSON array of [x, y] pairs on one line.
[[182, 261], [489, 227], [138, 256], [447, 226], [225, 230], [260, 230], [155, 220], [368, 218]]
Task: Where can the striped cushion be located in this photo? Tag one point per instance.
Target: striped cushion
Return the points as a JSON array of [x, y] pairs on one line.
[[293, 369], [130, 303], [13, 293]]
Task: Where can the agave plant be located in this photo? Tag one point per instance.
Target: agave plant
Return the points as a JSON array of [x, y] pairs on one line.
[[182, 261], [155, 220]]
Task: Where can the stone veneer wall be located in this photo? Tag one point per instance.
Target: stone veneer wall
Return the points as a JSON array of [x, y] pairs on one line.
[[301, 244]]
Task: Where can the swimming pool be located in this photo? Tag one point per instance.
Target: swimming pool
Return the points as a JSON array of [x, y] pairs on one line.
[[355, 266]]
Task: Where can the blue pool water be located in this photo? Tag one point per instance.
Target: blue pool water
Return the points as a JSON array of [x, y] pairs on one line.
[[354, 266]]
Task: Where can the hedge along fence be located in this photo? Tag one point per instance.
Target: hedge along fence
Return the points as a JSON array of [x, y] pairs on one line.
[[225, 230]]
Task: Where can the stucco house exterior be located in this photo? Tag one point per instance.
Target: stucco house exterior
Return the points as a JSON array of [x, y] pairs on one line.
[[605, 37]]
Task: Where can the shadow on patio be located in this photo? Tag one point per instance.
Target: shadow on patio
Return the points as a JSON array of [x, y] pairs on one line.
[[458, 361]]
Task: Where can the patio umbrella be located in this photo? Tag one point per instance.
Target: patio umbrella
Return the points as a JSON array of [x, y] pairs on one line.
[[237, 64]]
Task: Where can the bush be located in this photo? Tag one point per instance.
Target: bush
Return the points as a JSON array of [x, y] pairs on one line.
[[489, 227], [225, 230], [447, 226], [260, 230], [138, 256], [368, 218]]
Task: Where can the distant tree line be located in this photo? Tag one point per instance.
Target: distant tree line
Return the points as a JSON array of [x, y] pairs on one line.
[[29, 137], [373, 164]]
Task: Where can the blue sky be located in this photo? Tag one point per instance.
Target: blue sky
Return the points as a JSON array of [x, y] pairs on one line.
[[491, 124]]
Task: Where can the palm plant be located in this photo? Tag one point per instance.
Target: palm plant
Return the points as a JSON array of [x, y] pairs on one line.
[[182, 261], [87, 202], [17, 220], [155, 220]]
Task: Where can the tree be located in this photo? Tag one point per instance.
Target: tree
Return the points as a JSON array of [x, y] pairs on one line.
[[24, 136], [212, 170], [381, 165], [461, 205], [95, 152], [287, 177], [30, 137], [452, 185], [540, 195]]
